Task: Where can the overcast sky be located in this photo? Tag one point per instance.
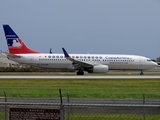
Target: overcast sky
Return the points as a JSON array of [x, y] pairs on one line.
[[85, 26]]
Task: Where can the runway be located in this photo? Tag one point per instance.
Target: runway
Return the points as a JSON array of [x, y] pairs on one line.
[[54, 77]]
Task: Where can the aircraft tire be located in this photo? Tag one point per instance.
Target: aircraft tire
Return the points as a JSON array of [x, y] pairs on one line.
[[80, 73], [141, 73]]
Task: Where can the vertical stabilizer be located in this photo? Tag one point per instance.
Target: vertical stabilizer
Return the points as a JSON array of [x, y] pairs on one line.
[[15, 44]]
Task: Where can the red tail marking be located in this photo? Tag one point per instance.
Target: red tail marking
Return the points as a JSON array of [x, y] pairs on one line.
[[23, 49]]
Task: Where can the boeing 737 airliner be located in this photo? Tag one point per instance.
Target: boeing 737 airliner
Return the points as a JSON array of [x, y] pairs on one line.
[[92, 63]]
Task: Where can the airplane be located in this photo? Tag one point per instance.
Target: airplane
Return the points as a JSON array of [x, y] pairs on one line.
[[92, 63]]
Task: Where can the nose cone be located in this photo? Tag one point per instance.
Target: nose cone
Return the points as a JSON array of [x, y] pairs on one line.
[[154, 64]]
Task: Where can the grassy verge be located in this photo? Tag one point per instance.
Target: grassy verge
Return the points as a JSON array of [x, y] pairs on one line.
[[114, 116], [106, 116], [81, 88]]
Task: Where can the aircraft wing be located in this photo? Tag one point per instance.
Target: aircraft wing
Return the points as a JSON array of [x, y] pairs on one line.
[[11, 55], [76, 63]]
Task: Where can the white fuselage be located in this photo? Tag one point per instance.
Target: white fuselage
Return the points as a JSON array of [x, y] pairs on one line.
[[114, 61]]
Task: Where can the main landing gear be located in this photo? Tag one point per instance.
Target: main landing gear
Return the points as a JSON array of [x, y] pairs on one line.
[[80, 72], [141, 73]]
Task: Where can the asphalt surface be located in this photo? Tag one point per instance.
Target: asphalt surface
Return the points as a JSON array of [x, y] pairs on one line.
[[76, 77]]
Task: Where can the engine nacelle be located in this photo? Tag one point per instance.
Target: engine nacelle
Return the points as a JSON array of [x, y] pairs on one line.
[[99, 69]]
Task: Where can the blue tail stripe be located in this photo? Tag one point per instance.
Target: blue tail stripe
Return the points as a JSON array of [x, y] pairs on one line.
[[9, 33]]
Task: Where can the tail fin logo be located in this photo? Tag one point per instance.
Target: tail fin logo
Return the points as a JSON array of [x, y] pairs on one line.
[[14, 43]]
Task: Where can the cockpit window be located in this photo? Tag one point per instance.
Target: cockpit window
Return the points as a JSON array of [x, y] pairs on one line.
[[149, 60]]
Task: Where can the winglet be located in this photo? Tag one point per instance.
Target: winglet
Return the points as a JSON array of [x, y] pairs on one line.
[[65, 53], [50, 50]]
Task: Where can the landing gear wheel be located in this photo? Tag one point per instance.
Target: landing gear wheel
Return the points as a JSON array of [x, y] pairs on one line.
[[80, 73], [141, 73]]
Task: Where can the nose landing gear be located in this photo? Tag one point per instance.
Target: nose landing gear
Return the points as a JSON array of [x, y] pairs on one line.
[[141, 73]]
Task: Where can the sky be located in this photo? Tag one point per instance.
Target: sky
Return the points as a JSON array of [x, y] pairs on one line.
[[85, 26]]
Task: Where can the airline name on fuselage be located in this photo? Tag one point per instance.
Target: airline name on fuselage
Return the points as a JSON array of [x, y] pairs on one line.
[[89, 57], [118, 58]]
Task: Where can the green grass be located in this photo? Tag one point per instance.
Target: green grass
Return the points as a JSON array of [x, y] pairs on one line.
[[81, 88], [106, 116], [113, 117]]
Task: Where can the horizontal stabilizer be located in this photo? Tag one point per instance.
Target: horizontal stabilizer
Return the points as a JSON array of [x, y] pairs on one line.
[[11, 55]]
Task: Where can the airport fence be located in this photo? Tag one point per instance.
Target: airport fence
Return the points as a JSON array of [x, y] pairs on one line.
[[79, 109]]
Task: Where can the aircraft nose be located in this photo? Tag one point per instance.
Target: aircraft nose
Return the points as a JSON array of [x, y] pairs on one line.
[[154, 64]]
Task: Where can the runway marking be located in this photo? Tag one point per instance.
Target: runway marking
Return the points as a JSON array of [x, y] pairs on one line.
[[78, 77]]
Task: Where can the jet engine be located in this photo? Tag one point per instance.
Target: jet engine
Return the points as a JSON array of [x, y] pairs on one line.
[[99, 69]]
